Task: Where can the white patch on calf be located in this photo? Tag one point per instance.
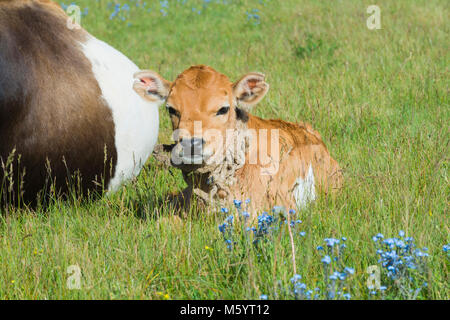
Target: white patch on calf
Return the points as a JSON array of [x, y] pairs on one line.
[[304, 189], [136, 121]]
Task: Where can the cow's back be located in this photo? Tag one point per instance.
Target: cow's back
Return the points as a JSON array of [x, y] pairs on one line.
[[301, 166], [308, 158]]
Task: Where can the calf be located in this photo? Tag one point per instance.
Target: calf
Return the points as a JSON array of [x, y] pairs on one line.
[[66, 106], [226, 153]]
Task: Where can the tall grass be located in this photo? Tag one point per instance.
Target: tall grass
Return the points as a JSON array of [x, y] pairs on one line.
[[378, 97]]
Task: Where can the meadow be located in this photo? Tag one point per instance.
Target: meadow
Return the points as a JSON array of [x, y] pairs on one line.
[[378, 97]]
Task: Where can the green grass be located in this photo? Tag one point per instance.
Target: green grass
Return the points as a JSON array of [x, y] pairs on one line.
[[378, 97]]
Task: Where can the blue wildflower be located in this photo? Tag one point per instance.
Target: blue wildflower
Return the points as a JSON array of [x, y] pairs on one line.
[[402, 262], [296, 278], [349, 270], [326, 260], [223, 227], [331, 242]]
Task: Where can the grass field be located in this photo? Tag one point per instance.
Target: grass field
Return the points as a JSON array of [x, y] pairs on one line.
[[378, 97]]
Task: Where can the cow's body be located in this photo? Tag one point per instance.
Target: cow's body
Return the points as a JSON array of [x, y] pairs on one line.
[[67, 105], [304, 167], [285, 163]]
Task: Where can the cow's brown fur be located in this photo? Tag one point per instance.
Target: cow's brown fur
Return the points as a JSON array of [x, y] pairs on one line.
[[50, 102], [299, 147], [200, 91]]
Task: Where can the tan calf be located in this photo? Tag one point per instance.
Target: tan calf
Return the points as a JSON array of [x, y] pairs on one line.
[[226, 153]]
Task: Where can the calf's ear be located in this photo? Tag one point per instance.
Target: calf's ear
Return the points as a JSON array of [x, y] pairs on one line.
[[151, 86], [250, 89]]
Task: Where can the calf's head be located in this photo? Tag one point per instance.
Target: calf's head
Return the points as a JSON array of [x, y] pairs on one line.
[[203, 104]]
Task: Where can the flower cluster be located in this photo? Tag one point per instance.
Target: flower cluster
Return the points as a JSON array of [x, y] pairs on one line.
[[267, 223], [335, 271], [300, 290], [253, 16], [242, 213], [403, 262], [446, 248], [226, 229], [120, 12], [164, 7]]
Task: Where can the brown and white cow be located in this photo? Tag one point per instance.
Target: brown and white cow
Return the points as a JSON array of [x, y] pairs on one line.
[[67, 104], [284, 163]]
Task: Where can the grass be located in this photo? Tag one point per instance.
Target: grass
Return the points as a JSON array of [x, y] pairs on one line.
[[378, 97]]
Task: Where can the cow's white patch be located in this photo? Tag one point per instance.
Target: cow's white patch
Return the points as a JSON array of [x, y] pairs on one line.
[[304, 189], [136, 120]]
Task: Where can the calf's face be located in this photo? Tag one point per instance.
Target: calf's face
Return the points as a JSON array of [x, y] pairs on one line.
[[203, 104]]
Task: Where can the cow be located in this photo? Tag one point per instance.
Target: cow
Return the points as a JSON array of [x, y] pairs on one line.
[[68, 113], [227, 154]]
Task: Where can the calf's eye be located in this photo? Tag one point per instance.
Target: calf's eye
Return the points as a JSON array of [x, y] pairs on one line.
[[172, 111], [223, 110]]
